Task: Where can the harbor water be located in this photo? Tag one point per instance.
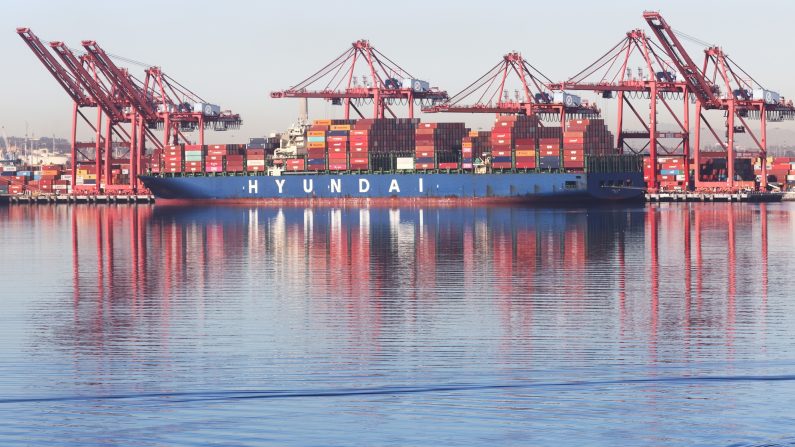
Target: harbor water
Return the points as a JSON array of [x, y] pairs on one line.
[[657, 325]]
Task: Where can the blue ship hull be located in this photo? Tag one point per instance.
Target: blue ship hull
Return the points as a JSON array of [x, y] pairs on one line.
[[513, 187]]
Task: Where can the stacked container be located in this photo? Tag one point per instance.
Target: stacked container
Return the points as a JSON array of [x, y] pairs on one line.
[[235, 158], [255, 160], [156, 161], [214, 158], [550, 143], [779, 169], [438, 143], [585, 137], [671, 171], [514, 138], [86, 174], [376, 143], [194, 155], [337, 146], [316, 148], [359, 148], [172, 159], [473, 146]]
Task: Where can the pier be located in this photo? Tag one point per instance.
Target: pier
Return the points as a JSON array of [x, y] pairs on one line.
[[755, 197], [75, 199]]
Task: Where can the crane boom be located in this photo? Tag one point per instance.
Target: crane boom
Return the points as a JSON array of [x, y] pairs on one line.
[[121, 80], [72, 87], [96, 90], [696, 81]]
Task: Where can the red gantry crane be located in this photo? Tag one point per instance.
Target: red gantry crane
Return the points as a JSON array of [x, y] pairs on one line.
[[720, 84], [489, 94], [74, 85], [655, 83], [93, 80], [382, 83]]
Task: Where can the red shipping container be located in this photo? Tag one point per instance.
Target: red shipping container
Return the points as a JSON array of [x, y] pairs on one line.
[[501, 153], [337, 156], [337, 166], [452, 165], [424, 154], [359, 161], [423, 166], [501, 165], [362, 150], [573, 163]]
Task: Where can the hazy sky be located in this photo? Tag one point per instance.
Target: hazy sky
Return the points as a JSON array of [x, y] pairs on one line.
[[235, 52]]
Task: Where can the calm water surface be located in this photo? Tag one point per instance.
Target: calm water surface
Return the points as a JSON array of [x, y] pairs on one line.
[[661, 326]]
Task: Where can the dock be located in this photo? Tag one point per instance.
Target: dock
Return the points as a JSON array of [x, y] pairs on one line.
[[76, 199], [752, 197]]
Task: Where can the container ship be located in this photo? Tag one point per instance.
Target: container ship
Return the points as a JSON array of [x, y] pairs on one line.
[[518, 160]]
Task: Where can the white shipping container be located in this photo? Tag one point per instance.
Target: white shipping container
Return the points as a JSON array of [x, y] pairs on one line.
[[768, 96], [206, 109], [59, 187], [790, 178], [125, 171], [9, 168], [255, 162], [567, 99], [405, 162], [680, 178], [66, 177], [416, 84]]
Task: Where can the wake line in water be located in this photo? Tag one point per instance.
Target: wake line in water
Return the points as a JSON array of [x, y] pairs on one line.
[[195, 396]]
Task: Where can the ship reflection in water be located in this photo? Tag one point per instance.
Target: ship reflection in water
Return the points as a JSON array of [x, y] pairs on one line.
[[665, 325]]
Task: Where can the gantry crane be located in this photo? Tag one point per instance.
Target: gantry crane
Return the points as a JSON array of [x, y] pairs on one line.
[[81, 98], [93, 80], [720, 84], [488, 94], [388, 84], [613, 73]]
